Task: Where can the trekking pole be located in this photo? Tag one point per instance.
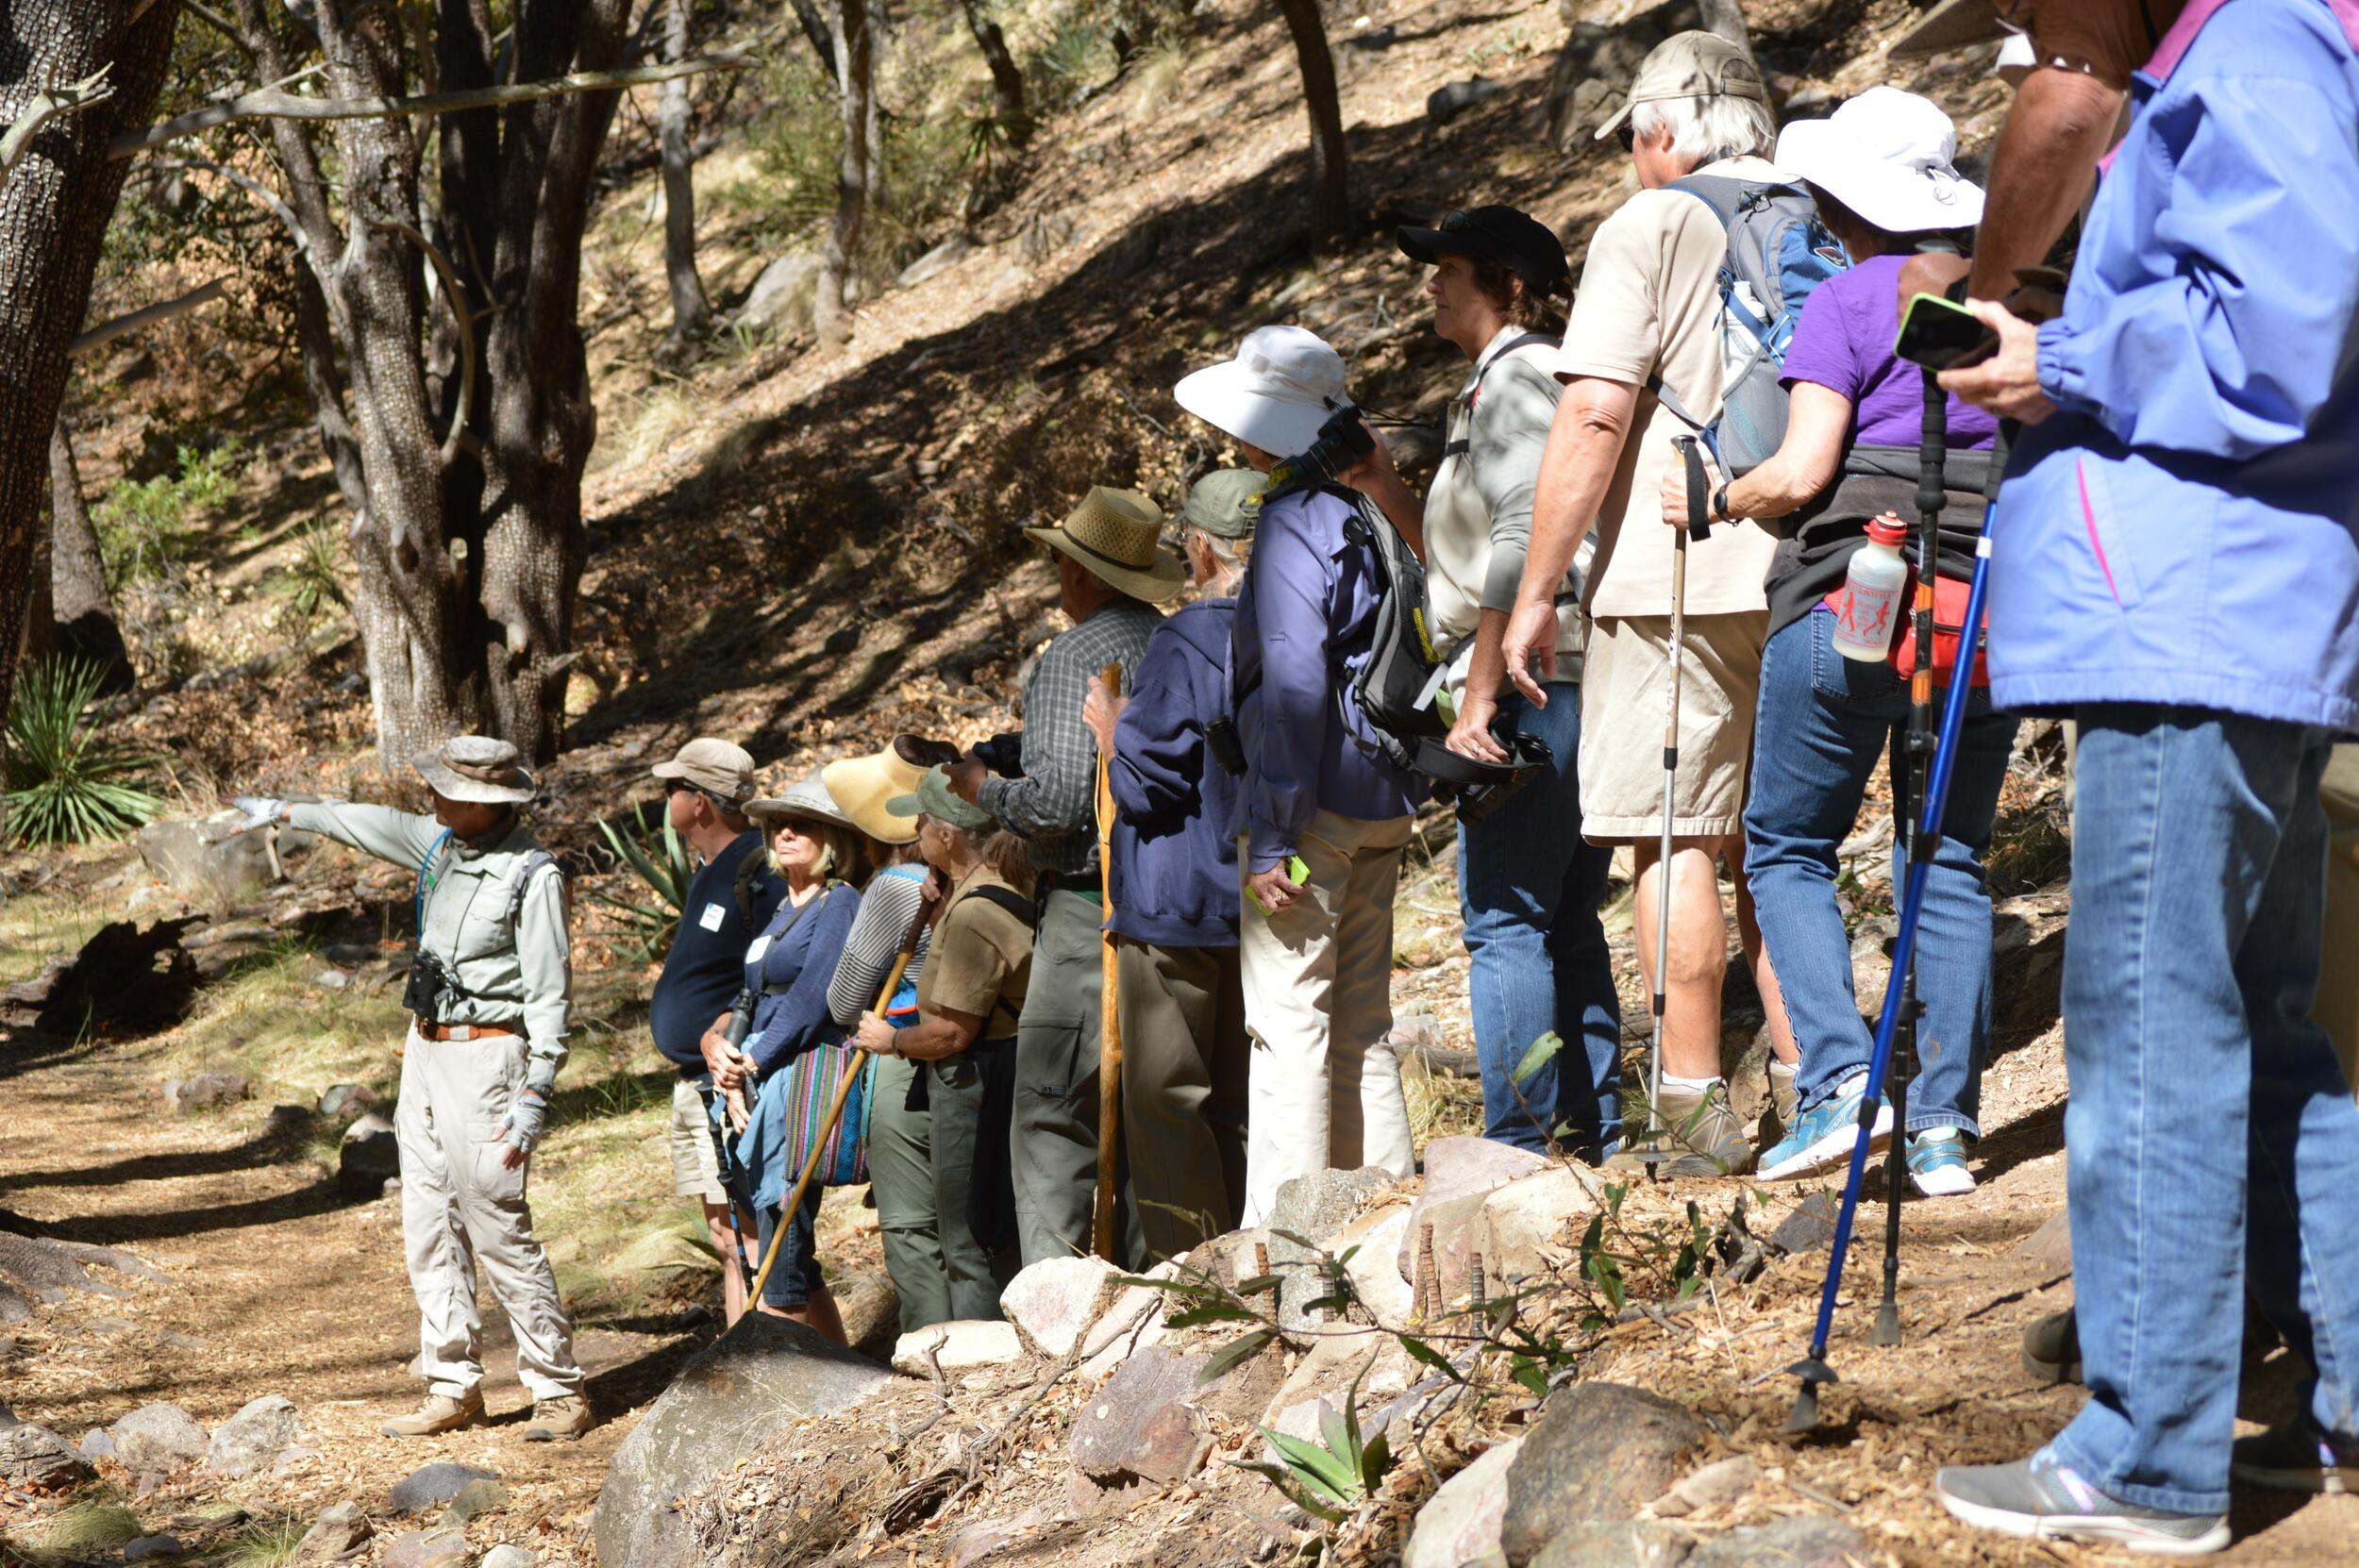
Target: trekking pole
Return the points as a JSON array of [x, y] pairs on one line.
[[1813, 1369], [1109, 999], [740, 1021], [902, 961]]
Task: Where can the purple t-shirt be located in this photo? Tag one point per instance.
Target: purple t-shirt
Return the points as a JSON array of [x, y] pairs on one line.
[[1844, 343]]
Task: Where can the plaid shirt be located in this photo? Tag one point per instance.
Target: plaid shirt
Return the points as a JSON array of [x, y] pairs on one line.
[[1054, 805]]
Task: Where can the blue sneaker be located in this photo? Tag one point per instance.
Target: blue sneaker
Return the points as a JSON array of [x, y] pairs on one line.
[[1937, 1163], [1823, 1137]]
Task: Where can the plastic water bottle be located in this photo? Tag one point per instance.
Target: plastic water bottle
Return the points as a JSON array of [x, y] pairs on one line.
[[1878, 578]]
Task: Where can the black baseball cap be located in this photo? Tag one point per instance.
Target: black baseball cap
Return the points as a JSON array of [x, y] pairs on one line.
[[1507, 235]]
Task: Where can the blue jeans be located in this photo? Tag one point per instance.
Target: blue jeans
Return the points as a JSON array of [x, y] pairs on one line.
[[1823, 722], [1528, 885], [2212, 1141]]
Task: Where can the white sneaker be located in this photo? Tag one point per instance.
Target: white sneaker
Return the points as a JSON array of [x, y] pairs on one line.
[[1937, 1163]]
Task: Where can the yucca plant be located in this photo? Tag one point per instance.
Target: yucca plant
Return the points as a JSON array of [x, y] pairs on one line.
[[656, 855], [1332, 1478], [66, 782], [313, 581]]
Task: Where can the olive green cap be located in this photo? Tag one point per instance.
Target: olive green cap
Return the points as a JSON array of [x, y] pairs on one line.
[[1225, 502], [933, 798]]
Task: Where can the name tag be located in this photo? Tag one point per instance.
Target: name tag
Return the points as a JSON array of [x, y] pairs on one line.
[[710, 920], [760, 945]]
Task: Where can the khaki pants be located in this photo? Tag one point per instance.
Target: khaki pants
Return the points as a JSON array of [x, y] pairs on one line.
[[1054, 1145], [1324, 1084], [459, 1203], [1184, 1064], [2337, 1005]]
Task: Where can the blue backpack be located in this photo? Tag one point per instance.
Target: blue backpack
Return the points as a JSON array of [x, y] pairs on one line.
[[1778, 251]]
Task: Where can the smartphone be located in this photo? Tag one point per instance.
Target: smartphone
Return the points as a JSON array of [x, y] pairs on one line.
[[1297, 872], [1941, 336]]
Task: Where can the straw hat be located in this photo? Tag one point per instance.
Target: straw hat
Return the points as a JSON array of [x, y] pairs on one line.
[[1889, 157], [1114, 534], [859, 786], [475, 767], [806, 798], [1285, 383]]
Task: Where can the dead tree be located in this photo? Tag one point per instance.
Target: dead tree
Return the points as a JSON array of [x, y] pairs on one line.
[[1330, 164], [72, 72], [1007, 79], [691, 314], [856, 60]]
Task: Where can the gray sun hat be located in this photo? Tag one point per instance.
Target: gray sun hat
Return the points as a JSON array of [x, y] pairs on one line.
[[477, 768], [933, 798], [806, 798], [1225, 502]]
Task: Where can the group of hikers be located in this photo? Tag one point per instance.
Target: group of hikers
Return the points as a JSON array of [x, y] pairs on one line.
[[2173, 565]]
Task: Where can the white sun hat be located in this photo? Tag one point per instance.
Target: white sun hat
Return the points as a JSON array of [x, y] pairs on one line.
[[1888, 155], [1285, 383]]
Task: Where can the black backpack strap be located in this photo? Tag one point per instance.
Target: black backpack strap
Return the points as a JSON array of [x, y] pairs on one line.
[[1008, 899]]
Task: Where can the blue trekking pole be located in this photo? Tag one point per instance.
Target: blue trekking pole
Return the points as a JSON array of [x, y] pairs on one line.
[[1813, 1369]]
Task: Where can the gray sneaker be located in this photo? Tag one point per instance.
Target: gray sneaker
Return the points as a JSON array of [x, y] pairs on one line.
[[1697, 1136], [1784, 1108], [2297, 1457], [2042, 1499]]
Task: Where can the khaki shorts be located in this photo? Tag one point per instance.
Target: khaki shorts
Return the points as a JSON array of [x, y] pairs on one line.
[[1624, 697], [695, 1173]]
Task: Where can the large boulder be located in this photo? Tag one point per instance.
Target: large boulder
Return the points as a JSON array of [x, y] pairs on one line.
[[783, 298], [1600, 1451], [1458, 1525], [1594, 70], [1152, 1421], [1053, 1302], [156, 1440], [766, 1373], [255, 1437], [34, 1458], [206, 861]]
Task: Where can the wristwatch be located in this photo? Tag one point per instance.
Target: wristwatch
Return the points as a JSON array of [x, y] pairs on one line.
[[1720, 506]]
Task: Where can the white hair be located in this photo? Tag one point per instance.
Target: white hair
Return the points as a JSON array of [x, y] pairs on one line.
[[1708, 130]]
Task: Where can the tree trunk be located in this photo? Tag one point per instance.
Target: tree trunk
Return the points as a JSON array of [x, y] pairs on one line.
[[80, 607], [690, 314], [54, 206], [816, 28], [1007, 81], [855, 53], [1331, 166]]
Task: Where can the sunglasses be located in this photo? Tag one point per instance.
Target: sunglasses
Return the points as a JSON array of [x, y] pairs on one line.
[[1627, 135]]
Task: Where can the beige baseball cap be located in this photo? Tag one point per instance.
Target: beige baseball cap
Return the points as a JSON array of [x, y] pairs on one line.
[[1694, 64], [719, 767]]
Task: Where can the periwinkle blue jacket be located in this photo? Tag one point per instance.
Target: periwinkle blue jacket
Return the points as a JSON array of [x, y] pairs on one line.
[[2184, 528], [1175, 861]]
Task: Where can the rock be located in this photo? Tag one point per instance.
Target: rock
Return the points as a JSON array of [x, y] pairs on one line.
[[1523, 1230], [1150, 1422], [337, 1535], [1593, 72], [1446, 102], [205, 1090], [203, 861], [1314, 1208], [156, 1440], [427, 1549], [508, 1556], [1323, 1378], [985, 1538], [476, 1498], [960, 1346], [1055, 1301], [782, 298], [938, 260], [1600, 1451], [1805, 1542], [96, 1444], [1373, 1243], [2048, 1249], [1459, 1166], [1810, 1228], [1458, 1525], [1133, 1322], [255, 1437], [331, 979], [368, 1158], [1616, 1543], [148, 1546], [433, 1485], [339, 1100], [670, 1251], [34, 1458], [1715, 1485], [766, 1373]]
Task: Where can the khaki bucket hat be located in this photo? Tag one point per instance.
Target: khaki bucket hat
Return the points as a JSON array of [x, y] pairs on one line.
[[1694, 64], [859, 786], [718, 767], [806, 798], [1114, 534], [477, 768]]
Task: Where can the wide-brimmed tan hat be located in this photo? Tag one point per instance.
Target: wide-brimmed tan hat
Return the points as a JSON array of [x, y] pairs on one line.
[[806, 798], [477, 768], [718, 767], [1692, 64], [859, 786], [1114, 534]]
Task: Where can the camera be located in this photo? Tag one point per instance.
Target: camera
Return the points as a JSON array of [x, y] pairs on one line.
[[1343, 443], [431, 987], [1227, 749]]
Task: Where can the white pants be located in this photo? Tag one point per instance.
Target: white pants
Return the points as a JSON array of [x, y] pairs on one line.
[[1325, 1085], [460, 1202]]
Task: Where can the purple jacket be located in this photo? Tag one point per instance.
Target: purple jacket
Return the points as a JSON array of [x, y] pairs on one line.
[[1175, 863]]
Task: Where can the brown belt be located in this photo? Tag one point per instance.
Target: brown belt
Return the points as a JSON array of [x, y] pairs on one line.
[[461, 1032]]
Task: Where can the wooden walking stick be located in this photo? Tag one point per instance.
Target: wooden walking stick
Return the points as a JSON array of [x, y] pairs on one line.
[[1110, 998], [902, 961]]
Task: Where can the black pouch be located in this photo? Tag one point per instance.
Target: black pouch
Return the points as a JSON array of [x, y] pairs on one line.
[[1477, 788]]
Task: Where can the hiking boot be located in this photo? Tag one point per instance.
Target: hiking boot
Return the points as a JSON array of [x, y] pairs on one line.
[[1937, 1163], [1697, 1136], [2052, 1348], [2299, 1456], [564, 1418], [2042, 1498], [1778, 1116], [440, 1413], [1824, 1137]]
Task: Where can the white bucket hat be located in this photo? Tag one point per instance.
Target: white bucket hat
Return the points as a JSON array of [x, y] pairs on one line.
[[1285, 383], [1889, 157]]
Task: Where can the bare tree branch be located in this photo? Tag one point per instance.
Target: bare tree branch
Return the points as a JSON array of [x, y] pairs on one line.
[[45, 107], [271, 104], [107, 331], [458, 303], [219, 23], [285, 214]]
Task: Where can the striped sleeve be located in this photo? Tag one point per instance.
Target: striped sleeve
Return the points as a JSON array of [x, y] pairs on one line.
[[886, 910]]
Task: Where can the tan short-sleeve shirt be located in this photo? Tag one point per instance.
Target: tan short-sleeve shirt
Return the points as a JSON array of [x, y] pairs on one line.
[[1648, 306], [981, 959]]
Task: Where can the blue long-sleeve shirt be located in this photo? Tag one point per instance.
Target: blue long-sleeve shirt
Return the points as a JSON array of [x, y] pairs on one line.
[[787, 968], [1175, 862], [2184, 528], [1303, 620]]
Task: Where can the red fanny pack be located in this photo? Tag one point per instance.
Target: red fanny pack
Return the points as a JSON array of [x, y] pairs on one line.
[[1950, 600]]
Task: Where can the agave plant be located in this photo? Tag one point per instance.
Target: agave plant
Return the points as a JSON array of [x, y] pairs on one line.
[[66, 783], [1332, 1477], [656, 855]]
